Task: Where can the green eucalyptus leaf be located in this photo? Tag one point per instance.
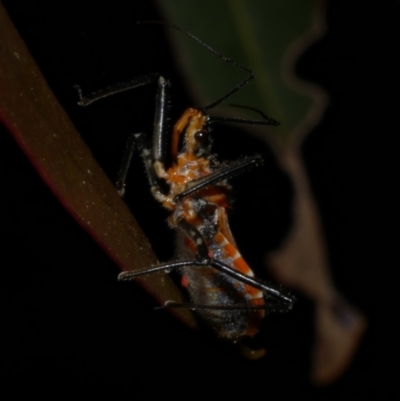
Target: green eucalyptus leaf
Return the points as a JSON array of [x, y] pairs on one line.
[[261, 35]]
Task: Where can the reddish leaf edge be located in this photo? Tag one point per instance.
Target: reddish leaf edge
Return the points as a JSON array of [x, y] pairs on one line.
[[33, 116]]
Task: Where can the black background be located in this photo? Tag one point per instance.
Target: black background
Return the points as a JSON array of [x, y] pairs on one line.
[[68, 326]]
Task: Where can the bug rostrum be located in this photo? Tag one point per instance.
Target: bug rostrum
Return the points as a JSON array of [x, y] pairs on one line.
[[194, 187]]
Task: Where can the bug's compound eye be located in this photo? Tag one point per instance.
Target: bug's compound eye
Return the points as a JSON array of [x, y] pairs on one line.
[[202, 143], [202, 136]]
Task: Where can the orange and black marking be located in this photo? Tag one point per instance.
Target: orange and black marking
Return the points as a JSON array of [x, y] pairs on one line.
[[205, 210]]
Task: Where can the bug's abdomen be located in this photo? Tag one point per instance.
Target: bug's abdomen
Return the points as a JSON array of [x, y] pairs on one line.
[[229, 300]]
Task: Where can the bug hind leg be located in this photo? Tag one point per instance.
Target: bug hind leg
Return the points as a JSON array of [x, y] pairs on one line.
[[198, 307], [203, 259]]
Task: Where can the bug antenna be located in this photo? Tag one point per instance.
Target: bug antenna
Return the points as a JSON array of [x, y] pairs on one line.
[[228, 60], [266, 120]]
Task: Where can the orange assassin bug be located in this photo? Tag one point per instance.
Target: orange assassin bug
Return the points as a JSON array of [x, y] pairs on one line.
[[194, 188]]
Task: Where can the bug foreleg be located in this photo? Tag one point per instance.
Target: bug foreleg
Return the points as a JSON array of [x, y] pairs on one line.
[[114, 89], [125, 165], [154, 156], [138, 141]]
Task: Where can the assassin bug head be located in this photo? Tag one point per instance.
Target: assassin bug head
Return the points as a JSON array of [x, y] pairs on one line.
[[194, 188], [193, 124]]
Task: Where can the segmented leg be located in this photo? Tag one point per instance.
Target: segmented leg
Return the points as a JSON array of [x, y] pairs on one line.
[[114, 89], [224, 173], [151, 155], [205, 260]]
